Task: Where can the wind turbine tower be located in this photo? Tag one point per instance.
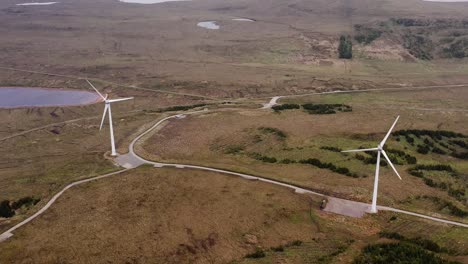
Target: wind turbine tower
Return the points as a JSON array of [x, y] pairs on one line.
[[107, 108], [380, 151]]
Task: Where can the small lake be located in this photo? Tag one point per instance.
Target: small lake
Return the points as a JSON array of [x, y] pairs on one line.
[[15, 97], [36, 3], [208, 25], [149, 1]]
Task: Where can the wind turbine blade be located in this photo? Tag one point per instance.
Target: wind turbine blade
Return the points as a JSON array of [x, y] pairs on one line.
[[360, 150], [104, 115], [104, 98], [389, 132], [119, 100], [391, 164]]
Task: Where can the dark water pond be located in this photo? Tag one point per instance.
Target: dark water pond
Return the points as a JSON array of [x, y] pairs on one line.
[[15, 97]]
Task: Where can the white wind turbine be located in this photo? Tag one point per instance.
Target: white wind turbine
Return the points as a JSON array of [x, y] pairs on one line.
[[379, 150], [107, 107]]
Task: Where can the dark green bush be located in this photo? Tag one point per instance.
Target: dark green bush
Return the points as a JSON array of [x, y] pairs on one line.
[[345, 48], [391, 235], [438, 151], [24, 201], [458, 194], [409, 139], [434, 134], [330, 166], [234, 149], [410, 22], [423, 149], [323, 109], [459, 143], [295, 243], [434, 167], [419, 46], [288, 161], [444, 145], [463, 155], [259, 253], [371, 158], [334, 149], [278, 249], [263, 158], [454, 210], [428, 142], [458, 49], [181, 107], [422, 242], [366, 35], [408, 159], [418, 171], [6, 210], [282, 107]]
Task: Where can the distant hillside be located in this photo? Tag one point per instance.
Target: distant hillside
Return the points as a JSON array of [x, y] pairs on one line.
[[423, 39]]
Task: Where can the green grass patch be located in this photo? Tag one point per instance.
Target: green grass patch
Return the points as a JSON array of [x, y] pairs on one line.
[[401, 252], [422, 242], [445, 205], [455, 187]]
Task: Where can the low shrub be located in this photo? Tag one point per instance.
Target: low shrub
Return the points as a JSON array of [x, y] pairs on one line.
[[418, 171], [294, 243], [367, 35], [330, 166], [278, 249], [370, 159], [434, 134], [439, 151], [234, 149], [263, 158], [345, 48], [288, 161], [423, 149], [324, 109], [409, 139], [178, 108], [259, 253], [282, 107], [422, 242], [463, 155], [25, 201], [434, 167], [334, 149], [459, 143], [454, 210], [6, 210], [408, 159]]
